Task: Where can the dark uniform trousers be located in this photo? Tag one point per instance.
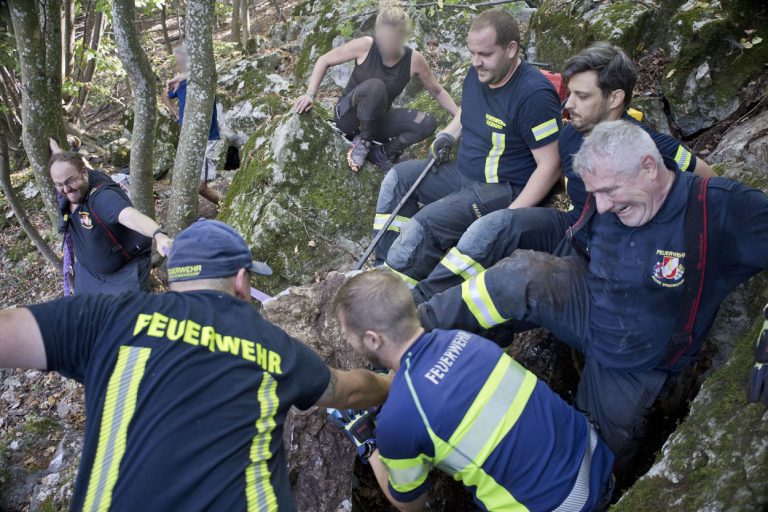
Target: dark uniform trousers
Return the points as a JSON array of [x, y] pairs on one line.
[[418, 238], [492, 238], [538, 288]]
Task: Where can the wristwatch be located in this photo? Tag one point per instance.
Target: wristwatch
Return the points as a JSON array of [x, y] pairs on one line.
[[159, 230]]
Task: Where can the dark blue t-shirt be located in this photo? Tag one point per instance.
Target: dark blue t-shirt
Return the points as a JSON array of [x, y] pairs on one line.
[[636, 275], [532, 457], [675, 155], [181, 94], [186, 396], [500, 127], [94, 247]]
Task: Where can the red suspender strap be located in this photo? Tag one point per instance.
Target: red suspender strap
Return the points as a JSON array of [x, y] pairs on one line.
[[117, 246]]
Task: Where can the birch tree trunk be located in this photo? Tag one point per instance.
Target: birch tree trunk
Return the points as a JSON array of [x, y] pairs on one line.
[[164, 26], [234, 26], [37, 105], [90, 65], [201, 88], [142, 82], [67, 38]]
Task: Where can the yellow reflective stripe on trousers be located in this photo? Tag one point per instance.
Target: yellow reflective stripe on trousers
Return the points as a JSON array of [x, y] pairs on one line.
[[498, 144], [406, 475], [397, 223], [489, 419], [476, 297], [545, 129], [119, 406], [461, 264], [579, 494], [259, 493], [683, 158], [411, 282]]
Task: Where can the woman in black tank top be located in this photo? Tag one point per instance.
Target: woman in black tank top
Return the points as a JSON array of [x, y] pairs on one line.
[[383, 67]]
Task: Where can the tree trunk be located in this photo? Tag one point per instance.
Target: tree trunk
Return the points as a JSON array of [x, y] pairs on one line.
[[50, 25], [39, 109], [201, 89], [234, 26], [179, 25], [89, 66], [67, 38], [164, 25], [18, 208], [142, 82], [245, 22]]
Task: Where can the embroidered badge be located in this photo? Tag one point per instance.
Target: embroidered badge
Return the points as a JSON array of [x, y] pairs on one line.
[[669, 269], [85, 220]]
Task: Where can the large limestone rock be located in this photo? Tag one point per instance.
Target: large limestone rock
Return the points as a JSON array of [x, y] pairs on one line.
[[297, 203], [746, 141]]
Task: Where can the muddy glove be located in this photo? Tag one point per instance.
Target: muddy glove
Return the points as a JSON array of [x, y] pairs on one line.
[[360, 426], [758, 376], [441, 147]]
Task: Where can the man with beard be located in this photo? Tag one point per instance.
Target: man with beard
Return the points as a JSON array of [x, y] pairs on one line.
[[601, 79], [112, 239]]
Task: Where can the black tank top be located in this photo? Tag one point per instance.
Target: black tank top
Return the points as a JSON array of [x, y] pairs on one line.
[[395, 77]]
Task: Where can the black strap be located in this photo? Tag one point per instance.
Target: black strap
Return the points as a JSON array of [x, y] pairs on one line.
[[116, 245], [587, 212], [695, 271]]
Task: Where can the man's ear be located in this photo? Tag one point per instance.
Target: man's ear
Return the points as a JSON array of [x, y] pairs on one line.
[[512, 49], [54, 146], [372, 340], [616, 99], [242, 284], [648, 165]]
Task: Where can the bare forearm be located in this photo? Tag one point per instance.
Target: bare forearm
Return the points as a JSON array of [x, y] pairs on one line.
[[539, 184], [367, 389], [446, 101], [318, 73], [454, 127], [133, 219], [703, 169]]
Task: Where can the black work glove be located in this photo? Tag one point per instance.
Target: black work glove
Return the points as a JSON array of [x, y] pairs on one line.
[[441, 147], [360, 426], [758, 376]]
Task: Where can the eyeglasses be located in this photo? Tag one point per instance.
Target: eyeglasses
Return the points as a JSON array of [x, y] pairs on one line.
[[70, 182]]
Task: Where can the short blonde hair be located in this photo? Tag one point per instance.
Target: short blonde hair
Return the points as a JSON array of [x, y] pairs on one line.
[[391, 13]]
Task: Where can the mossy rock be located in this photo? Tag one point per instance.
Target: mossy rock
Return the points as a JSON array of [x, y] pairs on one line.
[[297, 203], [562, 28], [710, 64]]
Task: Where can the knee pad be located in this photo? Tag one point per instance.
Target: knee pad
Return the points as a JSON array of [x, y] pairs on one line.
[[405, 246], [387, 196], [428, 125]]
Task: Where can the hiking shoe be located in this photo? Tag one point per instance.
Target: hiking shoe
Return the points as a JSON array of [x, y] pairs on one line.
[[380, 158], [358, 153]]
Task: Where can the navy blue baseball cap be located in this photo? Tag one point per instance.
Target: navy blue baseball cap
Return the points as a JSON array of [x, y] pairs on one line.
[[210, 249]]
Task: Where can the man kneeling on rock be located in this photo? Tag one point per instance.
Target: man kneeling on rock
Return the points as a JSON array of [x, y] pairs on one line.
[[186, 391], [460, 403], [664, 251]]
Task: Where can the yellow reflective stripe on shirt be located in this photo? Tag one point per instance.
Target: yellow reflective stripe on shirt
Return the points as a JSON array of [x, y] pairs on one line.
[[498, 145], [116, 415], [683, 158], [259, 493], [476, 297], [397, 223], [461, 264], [406, 475], [411, 282], [489, 419], [545, 129]]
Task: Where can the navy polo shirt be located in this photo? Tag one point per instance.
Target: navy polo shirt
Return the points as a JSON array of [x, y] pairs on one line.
[[500, 127], [536, 458], [94, 247], [636, 274], [181, 94], [186, 396]]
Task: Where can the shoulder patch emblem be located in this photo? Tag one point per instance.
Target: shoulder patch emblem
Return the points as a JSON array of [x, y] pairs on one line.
[[669, 269], [85, 220]]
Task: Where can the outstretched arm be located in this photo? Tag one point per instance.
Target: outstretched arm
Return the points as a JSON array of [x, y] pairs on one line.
[[382, 477], [133, 219], [21, 344], [421, 68], [352, 50], [355, 389]]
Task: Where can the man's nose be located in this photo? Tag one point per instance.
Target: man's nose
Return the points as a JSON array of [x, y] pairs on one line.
[[569, 102], [476, 62], [603, 203]]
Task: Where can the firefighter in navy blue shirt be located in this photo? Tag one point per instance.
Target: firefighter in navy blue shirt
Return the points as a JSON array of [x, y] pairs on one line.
[[509, 123], [459, 403], [112, 239], [601, 79], [186, 391], [624, 308]]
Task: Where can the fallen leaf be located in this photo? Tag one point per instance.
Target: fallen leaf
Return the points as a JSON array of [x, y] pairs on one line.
[[312, 243], [757, 40], [672, 72], [296, 250]]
